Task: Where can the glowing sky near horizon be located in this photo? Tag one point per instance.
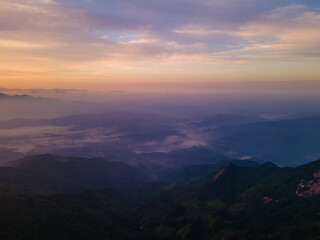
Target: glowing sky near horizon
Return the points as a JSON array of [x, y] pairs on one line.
[[137, 44]]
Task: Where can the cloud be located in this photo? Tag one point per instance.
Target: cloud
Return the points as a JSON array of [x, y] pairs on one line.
[[51, 137], [65, 37]]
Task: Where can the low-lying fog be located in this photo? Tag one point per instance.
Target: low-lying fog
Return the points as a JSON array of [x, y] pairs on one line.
[[166, 129]]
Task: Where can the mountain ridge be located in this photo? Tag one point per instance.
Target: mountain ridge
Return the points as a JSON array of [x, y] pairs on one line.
[[74, 174]]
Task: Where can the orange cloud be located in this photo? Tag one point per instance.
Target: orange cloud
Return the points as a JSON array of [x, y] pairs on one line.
[[48, 41]]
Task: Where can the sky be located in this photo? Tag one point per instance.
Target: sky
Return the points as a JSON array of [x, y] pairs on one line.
[[149, 45]]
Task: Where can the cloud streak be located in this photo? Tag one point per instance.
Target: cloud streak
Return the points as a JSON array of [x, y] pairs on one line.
[[84, 38]]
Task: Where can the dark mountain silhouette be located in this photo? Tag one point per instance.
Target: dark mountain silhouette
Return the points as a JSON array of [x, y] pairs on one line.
[[239, 200], [220, 120], [51, 174], [262, 202], [195, 172], [92, 215]]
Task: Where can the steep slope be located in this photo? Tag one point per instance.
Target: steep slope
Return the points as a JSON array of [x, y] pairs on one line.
[[263, 202], [195, 172]]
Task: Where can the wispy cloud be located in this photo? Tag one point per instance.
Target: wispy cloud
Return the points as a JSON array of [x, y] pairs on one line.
[[66, 38]]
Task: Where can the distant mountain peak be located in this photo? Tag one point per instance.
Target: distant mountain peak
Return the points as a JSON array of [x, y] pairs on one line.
[[3, 95], [269, 165], [33, 159], [24, 95]]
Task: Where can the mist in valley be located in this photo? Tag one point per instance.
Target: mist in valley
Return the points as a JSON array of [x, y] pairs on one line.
[[160, 130]]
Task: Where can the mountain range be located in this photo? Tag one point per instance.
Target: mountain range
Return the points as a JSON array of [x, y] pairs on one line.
[[51, 174], [50, 197]]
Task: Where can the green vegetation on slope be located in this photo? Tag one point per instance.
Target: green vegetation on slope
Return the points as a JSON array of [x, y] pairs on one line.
[[237, 201]]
